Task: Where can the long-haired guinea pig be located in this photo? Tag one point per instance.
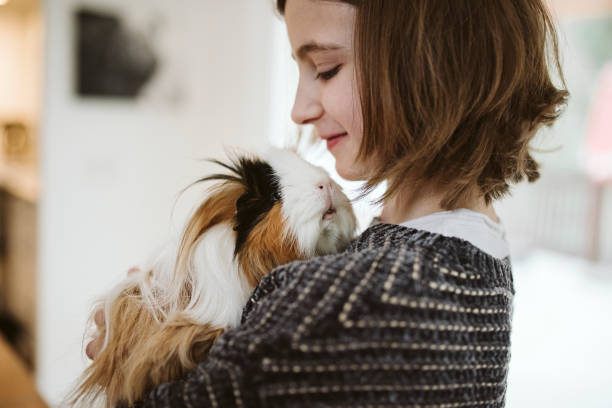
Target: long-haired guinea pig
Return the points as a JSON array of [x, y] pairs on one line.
[[263, 212]]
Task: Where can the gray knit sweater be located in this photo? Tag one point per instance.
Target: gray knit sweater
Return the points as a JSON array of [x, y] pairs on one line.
[[402, 318]]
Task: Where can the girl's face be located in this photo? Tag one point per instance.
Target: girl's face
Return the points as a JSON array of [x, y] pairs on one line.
[[321, 37]]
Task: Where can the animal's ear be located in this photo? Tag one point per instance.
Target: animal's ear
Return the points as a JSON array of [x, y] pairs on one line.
[[262, 191], [258, 188]]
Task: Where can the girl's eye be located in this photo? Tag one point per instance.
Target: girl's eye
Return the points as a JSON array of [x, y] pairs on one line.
[[328, 74]]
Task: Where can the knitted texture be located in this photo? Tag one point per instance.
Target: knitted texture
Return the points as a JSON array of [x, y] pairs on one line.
[[402, 318]]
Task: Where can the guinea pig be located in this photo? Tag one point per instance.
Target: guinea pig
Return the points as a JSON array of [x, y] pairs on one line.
[[263, 212]]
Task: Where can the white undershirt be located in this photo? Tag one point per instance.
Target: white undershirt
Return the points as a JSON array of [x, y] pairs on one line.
[[472, 226]]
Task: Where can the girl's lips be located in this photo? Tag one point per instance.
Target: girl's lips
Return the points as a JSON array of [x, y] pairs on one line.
[[332, 141]]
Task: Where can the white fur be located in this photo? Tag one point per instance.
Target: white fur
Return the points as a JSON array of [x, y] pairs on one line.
[[220, 290], [304, 204], [221, 287]]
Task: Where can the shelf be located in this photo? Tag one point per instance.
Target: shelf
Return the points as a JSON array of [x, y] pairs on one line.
[[20, 180]]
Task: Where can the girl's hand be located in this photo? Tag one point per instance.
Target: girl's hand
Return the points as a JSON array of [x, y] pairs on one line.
[[95, 345]]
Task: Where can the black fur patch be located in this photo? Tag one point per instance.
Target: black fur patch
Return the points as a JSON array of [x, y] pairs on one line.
[[262, 191]]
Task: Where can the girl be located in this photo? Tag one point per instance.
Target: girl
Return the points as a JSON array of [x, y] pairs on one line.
[[440, 99]]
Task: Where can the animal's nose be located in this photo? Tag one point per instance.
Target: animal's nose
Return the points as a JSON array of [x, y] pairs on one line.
[[326, 191], [326, 187]]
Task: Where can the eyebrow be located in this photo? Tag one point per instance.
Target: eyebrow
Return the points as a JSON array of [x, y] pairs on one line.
[[307, 48]]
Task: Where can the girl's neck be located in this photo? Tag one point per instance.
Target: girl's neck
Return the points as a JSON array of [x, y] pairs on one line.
[[408, 205]]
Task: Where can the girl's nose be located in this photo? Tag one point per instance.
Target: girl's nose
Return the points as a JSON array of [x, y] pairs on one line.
[[307, 107]]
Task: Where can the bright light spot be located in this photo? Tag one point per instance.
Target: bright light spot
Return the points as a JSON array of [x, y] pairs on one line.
[[3, 2]]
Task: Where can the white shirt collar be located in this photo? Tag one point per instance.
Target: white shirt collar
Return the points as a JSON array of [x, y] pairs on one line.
[[472, 226]]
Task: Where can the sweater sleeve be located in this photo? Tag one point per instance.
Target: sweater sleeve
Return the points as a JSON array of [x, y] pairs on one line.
[[383, 325], [237, 369]]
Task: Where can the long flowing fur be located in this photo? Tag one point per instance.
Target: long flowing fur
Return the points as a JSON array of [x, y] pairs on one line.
[[162, 321], [141, 351], [153, 334]]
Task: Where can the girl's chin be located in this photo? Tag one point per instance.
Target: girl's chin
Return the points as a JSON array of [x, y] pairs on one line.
[[348, 173]]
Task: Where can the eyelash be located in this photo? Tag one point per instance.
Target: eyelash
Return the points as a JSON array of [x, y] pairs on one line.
[[327, 75]]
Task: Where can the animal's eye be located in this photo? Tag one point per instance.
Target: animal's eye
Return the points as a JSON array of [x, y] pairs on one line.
[[327, 75]]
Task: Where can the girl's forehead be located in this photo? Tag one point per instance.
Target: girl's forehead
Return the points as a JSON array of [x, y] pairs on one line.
[[315, 25]]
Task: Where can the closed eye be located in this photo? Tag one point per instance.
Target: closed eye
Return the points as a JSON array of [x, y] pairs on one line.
[[327, 75]]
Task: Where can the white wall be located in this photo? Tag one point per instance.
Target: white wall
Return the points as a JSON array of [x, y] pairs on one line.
[[111, 169]]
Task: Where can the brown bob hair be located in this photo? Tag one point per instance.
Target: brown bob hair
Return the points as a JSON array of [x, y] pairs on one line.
[[453, 91]]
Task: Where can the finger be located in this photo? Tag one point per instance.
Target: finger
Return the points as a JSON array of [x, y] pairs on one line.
[[94, 347], [99, 318]]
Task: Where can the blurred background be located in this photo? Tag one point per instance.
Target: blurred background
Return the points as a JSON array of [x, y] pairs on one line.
[[107, 107]]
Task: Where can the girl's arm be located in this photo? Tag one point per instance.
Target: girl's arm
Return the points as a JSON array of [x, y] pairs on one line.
[[383, 325]]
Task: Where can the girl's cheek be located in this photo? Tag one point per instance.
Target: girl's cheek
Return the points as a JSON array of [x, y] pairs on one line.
[[337, 98]]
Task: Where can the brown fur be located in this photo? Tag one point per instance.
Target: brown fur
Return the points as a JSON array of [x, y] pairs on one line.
[[263, 250], [142, 353]]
